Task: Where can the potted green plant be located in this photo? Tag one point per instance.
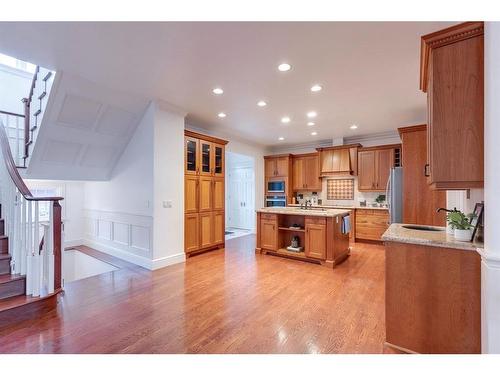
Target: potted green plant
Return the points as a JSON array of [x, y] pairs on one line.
[[380, 199], [461, 225]]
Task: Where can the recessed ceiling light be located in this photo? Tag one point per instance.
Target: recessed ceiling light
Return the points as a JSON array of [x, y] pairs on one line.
[[285, 120], [218, 91], [310, 123], [284, 67], [353, 126], [314, 133], [311, 114], [316, 88], [261, 103], [281, 138], [222, 115]]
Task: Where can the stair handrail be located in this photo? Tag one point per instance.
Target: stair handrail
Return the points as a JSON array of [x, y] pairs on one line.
[[27, 105], [43, 271]]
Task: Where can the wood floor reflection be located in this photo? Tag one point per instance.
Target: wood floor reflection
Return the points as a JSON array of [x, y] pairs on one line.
[[231, 301]]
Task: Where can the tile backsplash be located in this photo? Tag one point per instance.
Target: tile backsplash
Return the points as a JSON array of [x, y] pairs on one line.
[[358, 195]]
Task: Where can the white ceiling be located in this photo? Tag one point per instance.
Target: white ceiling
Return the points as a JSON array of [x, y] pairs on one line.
[[369, 71]]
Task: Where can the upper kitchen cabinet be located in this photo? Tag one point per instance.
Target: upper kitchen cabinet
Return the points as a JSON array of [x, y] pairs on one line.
[[305, 176], [277, 165], [338, 160], [204, 155], [452, 75], [191, 155], [374, 165]]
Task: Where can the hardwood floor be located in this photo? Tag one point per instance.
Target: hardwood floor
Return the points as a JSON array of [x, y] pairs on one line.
[[232, 301]]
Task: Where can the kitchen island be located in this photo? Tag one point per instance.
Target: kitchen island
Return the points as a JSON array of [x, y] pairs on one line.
[[322, 234]]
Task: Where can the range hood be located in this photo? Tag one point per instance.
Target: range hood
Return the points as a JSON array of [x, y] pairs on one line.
[[339, 160]]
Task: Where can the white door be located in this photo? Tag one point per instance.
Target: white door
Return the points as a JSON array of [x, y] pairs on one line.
[[241, 198]]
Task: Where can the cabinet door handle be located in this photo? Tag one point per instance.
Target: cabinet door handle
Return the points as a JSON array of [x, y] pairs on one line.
[[426, 170]]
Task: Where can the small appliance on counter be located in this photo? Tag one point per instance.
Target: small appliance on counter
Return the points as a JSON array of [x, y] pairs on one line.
[[295, 245], [362, 203]]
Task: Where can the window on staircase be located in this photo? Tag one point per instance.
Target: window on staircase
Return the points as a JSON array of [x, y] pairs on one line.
[[17, 64]]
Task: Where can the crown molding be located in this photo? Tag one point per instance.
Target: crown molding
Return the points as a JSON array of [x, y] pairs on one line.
[[442, 38]]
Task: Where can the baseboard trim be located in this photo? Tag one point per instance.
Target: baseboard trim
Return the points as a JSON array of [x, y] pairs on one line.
[[73, 243], [168, 261], [150, 264], [132, 258]]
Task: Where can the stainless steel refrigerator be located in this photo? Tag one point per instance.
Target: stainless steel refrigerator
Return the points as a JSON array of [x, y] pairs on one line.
[[394, 195]]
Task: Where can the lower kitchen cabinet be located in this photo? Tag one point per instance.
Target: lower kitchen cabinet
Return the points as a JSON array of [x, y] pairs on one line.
[[219, 227], [315, 241], [371, 223], [269, 234], [206, 229], [191, 232]]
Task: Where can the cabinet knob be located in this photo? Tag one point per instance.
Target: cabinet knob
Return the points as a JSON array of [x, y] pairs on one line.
[[426, 170]]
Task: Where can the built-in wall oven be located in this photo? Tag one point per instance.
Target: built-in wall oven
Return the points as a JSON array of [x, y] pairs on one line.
[[275, 201], [275, 186]]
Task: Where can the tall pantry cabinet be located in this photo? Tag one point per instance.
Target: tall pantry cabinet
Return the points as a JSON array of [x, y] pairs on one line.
[[204, 192]]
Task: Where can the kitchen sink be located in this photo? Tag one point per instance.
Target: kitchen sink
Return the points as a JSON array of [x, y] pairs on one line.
[[423, 227]]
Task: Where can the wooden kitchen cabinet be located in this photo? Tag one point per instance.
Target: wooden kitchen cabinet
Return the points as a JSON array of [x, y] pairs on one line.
[[371, 223], [206, 188], [452, 75], [416, 190], [269, 234], [218, 193], [191, 194], [191, 232], [305, 174], [204, 195], [206, 229], [219, 227], [315, 240], [374, 165], [191, 156], [277, 165]]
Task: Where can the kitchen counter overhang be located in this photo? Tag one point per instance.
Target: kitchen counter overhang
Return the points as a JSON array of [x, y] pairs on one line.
[[435, 238]]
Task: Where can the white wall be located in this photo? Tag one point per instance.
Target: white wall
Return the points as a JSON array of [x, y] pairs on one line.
[[168, 243], [490, 265], [130, 188], [119, 212], [14, 85]]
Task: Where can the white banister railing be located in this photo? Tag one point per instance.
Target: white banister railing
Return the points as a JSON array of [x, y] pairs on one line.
[[35, 246], [14, 124]]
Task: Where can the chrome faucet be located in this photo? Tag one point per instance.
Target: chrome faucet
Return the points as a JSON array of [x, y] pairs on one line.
[[445, 209]]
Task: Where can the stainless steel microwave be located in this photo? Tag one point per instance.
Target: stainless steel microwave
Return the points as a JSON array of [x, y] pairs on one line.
[[276, 186], [276, 201]]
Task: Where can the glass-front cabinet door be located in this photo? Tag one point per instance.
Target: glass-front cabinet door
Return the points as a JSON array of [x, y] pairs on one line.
[[191, 155], [218, 160], [206, 167]]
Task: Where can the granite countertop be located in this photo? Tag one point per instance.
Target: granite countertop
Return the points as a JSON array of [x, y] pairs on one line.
[[342, 207], [396, 233], [327, 212]]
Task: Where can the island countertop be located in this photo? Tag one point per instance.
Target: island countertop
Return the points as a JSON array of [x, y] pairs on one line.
[[397, 233], [340, 207], [326, 212]]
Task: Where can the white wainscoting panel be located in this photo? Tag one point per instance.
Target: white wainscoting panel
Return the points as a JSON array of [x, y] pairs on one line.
[[123, 235]]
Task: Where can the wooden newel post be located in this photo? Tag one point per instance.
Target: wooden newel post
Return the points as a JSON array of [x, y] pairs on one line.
[[56, 209]]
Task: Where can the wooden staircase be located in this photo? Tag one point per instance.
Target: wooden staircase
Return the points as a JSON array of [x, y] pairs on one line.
[[10, 285]]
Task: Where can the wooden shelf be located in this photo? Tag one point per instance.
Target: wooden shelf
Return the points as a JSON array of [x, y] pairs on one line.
[[300, 254], [292, 229]]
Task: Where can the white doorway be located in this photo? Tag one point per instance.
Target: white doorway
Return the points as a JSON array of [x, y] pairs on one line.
[[240, 197]]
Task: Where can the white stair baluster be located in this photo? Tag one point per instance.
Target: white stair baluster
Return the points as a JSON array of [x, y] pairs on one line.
[[36, 253], [29, 250], [50, 249], [23, 237]]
